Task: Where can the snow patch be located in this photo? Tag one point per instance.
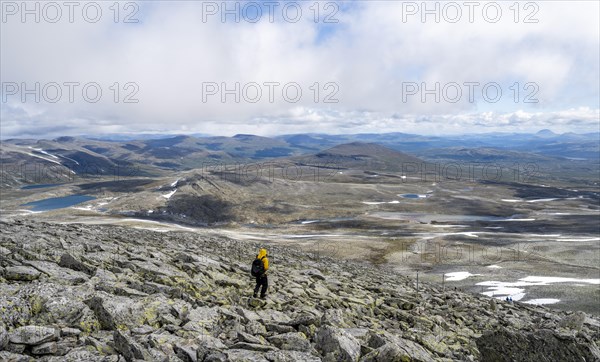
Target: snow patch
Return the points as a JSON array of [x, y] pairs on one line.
[[549, 280], [83, 208], [515, 290], [456, 276], [168, 196], [579, 239], [44, 152], [43, 158], [380, 202], [542, 301]]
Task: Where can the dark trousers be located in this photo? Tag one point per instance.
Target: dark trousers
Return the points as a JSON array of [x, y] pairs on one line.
[[263, 282]]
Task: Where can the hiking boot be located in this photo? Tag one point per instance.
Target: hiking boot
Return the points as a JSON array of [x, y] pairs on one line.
[[254, 295], [263, 297]]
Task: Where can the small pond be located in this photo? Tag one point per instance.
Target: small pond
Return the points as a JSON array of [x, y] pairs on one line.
[[53, 203]]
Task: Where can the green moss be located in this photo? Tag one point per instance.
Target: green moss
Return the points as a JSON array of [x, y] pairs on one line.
[[184, 284], [89, 326], [36, 304], [151, 315]]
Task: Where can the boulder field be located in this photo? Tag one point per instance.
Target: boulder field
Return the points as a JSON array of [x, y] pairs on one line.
[[74, 292]]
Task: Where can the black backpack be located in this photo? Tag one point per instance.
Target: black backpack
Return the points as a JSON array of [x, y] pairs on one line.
[[258, 268]]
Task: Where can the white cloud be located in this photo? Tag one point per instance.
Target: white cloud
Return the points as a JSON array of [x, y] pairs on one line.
[[369, 54]]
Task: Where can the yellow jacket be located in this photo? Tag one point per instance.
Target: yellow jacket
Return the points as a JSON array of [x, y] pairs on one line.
[[262, 254]]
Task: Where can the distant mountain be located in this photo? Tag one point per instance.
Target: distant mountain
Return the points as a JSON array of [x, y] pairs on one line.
[[119, 137], [360, 155], [546, 133], [483, 154], [63, 159], [544, 143], [384, 151]]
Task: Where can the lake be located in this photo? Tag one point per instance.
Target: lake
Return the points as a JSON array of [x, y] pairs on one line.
[[53, 203], [413, 196]]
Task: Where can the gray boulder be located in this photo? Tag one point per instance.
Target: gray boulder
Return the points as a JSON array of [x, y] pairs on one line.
[[253, 347], [21, 273], [573, 321], [334, 317], [295, 341], [337, 344], [45, 348], [33, 335], [126, 346], [104, 317], [3, 338], [291, 356], [19, 312], [186, 353], [542, 345], [256, 328], [243, 355], [68, 261], [390, 352], [13, 357], [214, 356]]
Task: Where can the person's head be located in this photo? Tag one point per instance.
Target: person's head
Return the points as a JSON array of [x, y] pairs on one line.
[[262, 252]]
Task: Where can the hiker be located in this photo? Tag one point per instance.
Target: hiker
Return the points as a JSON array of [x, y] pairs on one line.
[[259, 271]]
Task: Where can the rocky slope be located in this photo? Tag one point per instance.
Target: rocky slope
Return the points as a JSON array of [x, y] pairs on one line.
[[104, 293]]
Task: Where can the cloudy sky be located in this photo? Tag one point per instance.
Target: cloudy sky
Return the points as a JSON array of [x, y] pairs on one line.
[[289, 67]]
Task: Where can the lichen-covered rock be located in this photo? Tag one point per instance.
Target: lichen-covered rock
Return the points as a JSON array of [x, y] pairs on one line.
[[45, 348], [294, 341], [21, 273], [125, 345], [33, 335], [185, 352], [105, 319], [201, 319], [3, 337], [244, 355], [573, 321], [68, 261], [337, 344], [14, 357], [334, 317], [59, 274], [84, 354], [15, 310], [542, 345], [256, 328], [66, 311], [390, 352], [291, 356]]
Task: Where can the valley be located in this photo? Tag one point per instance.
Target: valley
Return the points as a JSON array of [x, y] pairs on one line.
[[366, 202]]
